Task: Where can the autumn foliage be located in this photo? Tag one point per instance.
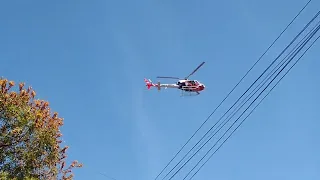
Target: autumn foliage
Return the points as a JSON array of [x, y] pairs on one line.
[[30, 139]]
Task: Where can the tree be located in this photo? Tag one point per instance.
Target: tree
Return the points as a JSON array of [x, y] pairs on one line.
[[30, 144]]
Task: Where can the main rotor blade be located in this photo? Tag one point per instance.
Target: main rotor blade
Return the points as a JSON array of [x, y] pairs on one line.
[[195, 70], [168, 77]]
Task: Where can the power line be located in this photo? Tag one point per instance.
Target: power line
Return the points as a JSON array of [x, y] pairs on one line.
[[235, 87], [283, 68], [107, 176], [245, 92], [265, 80], [255, 106], [258, 95], [219, 129]]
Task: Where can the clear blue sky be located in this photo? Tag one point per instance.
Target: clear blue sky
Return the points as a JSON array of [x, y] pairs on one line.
[[89, 58]]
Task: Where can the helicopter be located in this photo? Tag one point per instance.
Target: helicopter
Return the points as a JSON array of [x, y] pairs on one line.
[[185, 85]]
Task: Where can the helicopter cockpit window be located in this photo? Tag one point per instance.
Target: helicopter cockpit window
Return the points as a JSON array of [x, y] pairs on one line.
[[192, 83]]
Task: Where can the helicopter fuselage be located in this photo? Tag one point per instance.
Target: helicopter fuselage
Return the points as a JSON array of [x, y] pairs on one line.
[[182, 84], [190, 85]]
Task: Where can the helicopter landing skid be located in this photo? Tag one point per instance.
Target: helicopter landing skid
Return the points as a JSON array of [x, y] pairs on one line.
[[188, 93]]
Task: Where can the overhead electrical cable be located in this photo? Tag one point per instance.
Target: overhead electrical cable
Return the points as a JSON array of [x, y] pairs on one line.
[[317, 28], [256, 106], [247, 89], [107, 176], [234, 87], [262, 82], [210, 138]]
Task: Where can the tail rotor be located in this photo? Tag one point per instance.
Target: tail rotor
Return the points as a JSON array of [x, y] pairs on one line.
[[149, 84]]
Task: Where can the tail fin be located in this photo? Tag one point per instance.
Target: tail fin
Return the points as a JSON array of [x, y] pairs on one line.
[[148, 83]]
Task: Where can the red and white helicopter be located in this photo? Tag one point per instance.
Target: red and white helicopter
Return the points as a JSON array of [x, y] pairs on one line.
[[182, 84]]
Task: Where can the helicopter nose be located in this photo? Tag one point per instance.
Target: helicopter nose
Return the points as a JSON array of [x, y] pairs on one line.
[[202, 87]]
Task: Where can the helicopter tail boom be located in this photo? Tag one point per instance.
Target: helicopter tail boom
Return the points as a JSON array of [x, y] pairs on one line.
[[149, 84]]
